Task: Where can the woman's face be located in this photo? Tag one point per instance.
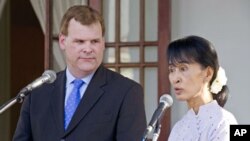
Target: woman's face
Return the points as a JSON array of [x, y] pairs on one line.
[[188, 80]]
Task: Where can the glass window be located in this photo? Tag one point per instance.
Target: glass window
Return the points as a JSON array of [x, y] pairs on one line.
[[130, 54], [109, 55], [130, 19], [151, 54], [132, 73]]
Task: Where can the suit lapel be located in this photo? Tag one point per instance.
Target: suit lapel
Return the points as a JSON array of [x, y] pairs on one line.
[[92, 94], [57, 101]]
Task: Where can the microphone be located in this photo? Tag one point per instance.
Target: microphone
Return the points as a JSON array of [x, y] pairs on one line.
[[166, 101], [48, 76]]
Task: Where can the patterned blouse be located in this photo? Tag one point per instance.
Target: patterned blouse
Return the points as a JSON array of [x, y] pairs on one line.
[[210, 124]]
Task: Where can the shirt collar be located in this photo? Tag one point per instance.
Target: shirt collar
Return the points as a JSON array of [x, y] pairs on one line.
[[71, 78]]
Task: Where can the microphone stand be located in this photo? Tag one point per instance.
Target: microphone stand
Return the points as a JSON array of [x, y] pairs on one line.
[[157, 131], [19, 98]]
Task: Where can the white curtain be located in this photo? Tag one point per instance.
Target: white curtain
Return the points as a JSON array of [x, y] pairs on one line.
[[59, 8], [2, 3]]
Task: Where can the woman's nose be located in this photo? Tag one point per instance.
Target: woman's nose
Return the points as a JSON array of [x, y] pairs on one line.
[[175, 78]]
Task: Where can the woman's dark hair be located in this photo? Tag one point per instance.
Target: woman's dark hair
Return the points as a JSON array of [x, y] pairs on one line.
[[197, 49]]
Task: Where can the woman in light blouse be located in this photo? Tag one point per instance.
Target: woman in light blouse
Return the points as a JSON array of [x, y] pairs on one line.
[[198, 79]]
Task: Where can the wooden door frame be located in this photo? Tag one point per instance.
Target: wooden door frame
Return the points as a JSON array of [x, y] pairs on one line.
[[164, 31]]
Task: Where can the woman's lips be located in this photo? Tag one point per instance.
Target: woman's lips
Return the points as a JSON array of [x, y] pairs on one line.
[[178, 91]]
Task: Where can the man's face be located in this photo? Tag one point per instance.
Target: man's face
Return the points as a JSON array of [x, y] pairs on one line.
[[83, 47]]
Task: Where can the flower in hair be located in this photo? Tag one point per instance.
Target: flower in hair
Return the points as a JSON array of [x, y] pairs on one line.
[[219, 81]]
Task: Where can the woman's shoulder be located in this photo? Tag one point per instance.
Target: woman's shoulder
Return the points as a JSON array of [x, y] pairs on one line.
[[223, 115]]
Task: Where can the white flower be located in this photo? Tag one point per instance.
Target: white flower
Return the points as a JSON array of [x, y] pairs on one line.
[[219, 82]]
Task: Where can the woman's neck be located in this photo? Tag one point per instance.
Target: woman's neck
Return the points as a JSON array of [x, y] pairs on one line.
[[196, 102]]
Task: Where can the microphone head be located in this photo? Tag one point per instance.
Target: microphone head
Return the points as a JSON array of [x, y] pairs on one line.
[[166, 99], [51, 75]]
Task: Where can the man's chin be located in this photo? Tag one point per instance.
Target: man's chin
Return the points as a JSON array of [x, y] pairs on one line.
[[89, 69]]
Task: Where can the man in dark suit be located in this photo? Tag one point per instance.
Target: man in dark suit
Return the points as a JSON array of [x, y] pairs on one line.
[[106, 106]]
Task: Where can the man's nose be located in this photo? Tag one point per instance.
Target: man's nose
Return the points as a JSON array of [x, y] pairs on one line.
[[87, 48]]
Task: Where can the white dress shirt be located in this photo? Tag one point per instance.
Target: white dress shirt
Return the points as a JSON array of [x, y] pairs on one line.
[[69, 85]]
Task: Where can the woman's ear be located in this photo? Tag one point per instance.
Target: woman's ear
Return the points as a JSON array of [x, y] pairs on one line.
[[209, 74]]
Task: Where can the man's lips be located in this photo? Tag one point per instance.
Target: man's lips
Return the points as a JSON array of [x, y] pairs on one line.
[[86, 58]]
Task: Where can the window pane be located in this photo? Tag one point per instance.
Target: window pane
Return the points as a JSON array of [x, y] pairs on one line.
[[130, 54], [130, 10], [132, 73], [109, 55], [150, 88], [109, 19], [151, 54], [151, 20]]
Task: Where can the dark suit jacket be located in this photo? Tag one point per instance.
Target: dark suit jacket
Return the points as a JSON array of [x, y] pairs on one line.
[[112, 109]]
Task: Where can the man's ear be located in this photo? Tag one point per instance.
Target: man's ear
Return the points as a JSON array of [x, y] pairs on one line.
[[62, 41], [103, 42]]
